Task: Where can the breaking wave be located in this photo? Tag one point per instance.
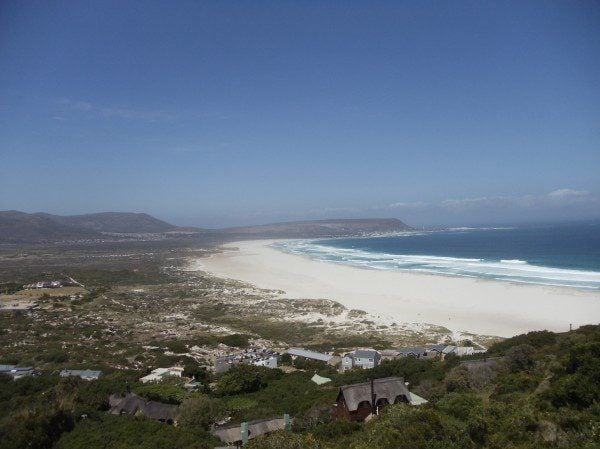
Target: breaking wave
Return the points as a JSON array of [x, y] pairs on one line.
[[507, 270]]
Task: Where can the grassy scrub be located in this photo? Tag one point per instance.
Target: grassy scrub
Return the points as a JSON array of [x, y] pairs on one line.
[[538, 390]]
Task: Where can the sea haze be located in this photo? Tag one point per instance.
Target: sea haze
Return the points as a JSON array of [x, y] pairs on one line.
[[560, 255]]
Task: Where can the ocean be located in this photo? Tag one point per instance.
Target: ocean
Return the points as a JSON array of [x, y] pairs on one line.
[[559, 255]]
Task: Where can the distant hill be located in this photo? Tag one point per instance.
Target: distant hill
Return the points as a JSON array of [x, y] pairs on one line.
[[320, 228], [115, 222], [19, 227]]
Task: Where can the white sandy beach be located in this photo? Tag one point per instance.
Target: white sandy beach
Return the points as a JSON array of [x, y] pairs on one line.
[[477, 306]]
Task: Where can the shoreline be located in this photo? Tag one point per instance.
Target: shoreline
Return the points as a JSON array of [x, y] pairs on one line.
[[461, 304]]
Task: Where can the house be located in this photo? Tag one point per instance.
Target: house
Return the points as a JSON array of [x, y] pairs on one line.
[[356, 402], [314, 355], [449, 350], [135, 405], [412, 352], [241, 433], [435, 351], [361, 358], [465, 350], [462, 350], [160, 373], [16, 372], [389, 354], [85, 374]]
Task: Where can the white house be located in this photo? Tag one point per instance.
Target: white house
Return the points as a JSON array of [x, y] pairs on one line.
[[361, 358], [159, 373]]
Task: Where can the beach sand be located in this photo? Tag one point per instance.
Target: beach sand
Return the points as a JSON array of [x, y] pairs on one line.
[[463, 305]]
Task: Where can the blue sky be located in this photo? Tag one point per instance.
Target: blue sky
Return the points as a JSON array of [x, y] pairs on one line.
[[222, 113]]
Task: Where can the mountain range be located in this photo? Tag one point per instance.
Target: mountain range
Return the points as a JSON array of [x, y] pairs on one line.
[[21, 227]]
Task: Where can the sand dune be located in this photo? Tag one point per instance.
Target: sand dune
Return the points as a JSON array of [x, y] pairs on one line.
[[460, 304]]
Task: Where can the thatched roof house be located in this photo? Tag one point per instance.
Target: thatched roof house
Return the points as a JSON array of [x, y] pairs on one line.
[[132, 404], [355, 402]]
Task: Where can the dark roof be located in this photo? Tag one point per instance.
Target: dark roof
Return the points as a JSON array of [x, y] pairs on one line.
[[160, 411], [386, 388], [132, 404], [414, 350], [366, 354], [438, 347]]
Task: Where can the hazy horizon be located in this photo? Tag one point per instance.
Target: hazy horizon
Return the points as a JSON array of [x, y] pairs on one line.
[[219, 114]]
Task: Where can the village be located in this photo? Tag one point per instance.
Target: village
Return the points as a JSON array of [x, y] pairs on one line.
[[359, 402]]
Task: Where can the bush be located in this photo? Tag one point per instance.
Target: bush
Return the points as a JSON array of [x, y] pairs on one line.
[[337, 429], [461, 405], [246, 379], [520, 357], [457, 379], [124, 432], [235, 340], [200, 411], [515, 383], [284, 440], [537, 339]]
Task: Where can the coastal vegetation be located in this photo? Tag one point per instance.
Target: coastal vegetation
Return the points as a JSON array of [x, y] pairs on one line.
[[142, 307], [538, 390]]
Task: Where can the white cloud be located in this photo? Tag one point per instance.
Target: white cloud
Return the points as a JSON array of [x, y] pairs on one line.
[[116, 112], [555, 198], [568, 193]]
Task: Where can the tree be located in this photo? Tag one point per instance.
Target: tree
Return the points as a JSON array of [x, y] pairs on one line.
[[457, 379], [200, 412], [246, 379], [520, 357], [284, 440]]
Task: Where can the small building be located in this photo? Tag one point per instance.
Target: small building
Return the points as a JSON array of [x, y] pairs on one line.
[[356, 402], [234, 434], [135, 405], [16, 372], [160, 373], [435, 351], [449, 350], [389, 354], [85, 374], [314, 355], [462, 350], [361, 358], [417, 352]]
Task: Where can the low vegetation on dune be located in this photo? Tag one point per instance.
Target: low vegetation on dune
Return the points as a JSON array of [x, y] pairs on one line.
[[139, 307], [539, 390]]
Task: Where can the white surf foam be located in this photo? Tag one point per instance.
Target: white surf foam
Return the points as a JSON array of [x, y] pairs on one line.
[[509, 270]]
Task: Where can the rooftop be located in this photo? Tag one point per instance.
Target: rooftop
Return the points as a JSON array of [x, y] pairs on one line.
[[299, 352]]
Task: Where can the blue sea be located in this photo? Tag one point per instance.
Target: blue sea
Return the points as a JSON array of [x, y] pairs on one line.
[[559, 255]]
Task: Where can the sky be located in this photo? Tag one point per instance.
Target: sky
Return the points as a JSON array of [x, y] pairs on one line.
[[220, 113]]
